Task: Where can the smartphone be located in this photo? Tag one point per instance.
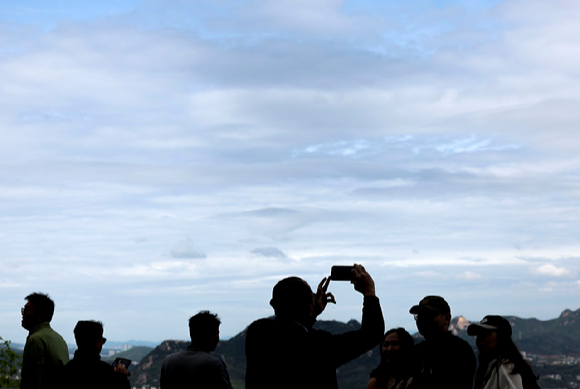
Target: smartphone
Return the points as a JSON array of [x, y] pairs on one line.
[[341, 273], [124, 361]]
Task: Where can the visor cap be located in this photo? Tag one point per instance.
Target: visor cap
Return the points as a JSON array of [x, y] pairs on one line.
[[431, 304], [490, 323]]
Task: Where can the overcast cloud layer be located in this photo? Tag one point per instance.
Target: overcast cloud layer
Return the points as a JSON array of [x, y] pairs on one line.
[[159, 158]]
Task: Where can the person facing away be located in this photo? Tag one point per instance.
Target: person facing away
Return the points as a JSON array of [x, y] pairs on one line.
[[195, 367], [86, 370], [442, 359], [285, 352], [501, 365], [395, 369], [45, 352]]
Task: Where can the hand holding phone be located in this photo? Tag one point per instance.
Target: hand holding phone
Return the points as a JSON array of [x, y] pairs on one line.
[[357, 275], [341, 273], [126, 362]]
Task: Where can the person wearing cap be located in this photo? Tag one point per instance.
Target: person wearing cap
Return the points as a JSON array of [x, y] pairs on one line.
[[286, 352], [501, 365], [443, 359]]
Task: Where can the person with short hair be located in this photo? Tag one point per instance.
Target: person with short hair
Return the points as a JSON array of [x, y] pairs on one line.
[[286, 352], [501, 365], [443, 359], [395, 369], [45, 352], [86, 369], [195, 367]]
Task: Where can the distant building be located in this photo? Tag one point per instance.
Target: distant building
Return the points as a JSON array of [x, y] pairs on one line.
[[126, 347]]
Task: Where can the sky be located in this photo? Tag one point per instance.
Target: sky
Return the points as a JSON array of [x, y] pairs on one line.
[[158, 158]]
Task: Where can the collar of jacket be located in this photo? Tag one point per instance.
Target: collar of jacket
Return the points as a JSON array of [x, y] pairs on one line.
[[44, 324]]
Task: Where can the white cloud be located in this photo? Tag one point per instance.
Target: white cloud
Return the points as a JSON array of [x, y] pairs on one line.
[[10, 284], [551, 270], [467, 275], [403, 137], [429, 275], [445, 145]]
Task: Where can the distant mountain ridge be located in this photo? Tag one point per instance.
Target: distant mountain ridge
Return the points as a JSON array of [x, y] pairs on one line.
[[135, 354], [551, 337], [134, 343], [560, 336]]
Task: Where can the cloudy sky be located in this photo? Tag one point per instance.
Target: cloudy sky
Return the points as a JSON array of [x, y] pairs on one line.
[[158, 158]]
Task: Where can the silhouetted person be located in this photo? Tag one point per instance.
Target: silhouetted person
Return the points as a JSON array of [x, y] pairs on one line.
[[195, 367], [443, 360], [287, 353], [45, 352], [86, 370], [395, 369], [501, 365]]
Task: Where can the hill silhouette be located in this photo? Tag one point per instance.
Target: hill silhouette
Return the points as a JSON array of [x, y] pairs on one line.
[[560, 336], [135, 354], [232, 351]]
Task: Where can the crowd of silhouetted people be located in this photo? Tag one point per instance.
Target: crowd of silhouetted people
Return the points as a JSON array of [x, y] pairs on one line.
[[286, 352], [45, 360]]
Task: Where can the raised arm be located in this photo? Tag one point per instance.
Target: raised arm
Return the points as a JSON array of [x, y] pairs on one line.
[[348, 346]]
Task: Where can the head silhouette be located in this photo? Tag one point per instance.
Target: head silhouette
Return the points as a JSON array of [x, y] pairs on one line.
[[433, 316], [89, 335], [204, 329], [38, 309], [292, 298], [397, 346]]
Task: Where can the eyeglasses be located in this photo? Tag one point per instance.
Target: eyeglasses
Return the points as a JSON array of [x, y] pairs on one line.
[[104, 340], [25, 309]]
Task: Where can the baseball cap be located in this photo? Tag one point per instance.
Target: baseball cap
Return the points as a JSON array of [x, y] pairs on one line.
[[431, 304], [490, 323]]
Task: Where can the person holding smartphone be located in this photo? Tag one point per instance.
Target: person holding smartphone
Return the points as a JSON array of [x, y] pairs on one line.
[[287, 352]]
